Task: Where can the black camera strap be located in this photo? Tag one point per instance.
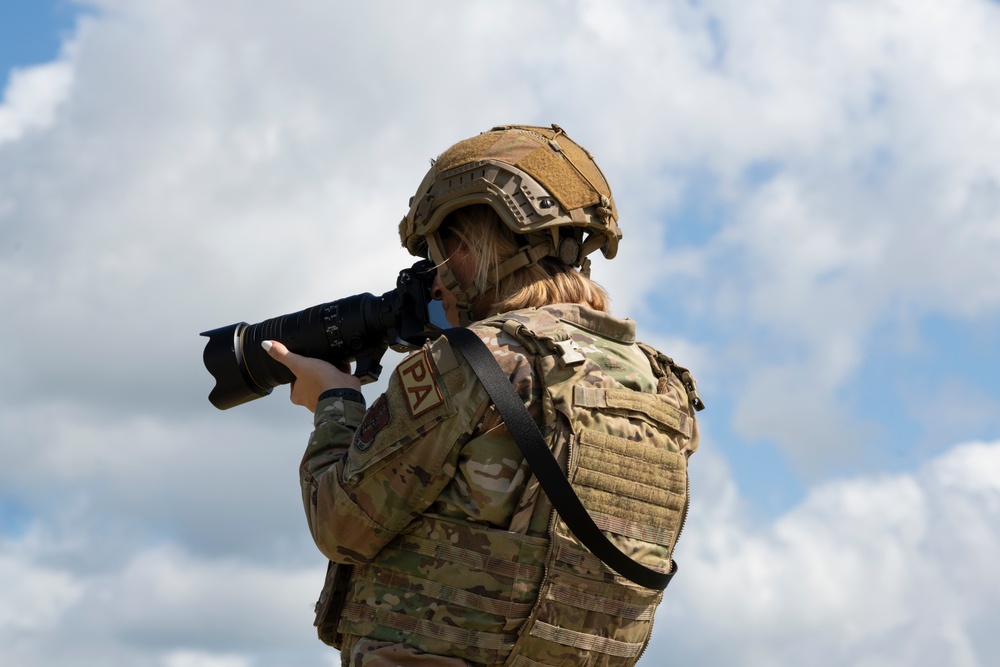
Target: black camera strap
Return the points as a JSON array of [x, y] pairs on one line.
[[544, 465]]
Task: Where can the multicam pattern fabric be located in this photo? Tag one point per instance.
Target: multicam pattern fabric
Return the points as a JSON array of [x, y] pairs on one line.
[[455, 550]]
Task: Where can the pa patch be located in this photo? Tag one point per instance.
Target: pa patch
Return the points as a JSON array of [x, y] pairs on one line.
[[375, 420], [417, 381]]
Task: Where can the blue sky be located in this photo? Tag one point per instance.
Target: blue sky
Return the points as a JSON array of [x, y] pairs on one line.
[[811, 205], [31, 32]]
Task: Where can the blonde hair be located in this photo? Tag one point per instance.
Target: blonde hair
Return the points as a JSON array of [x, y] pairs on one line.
[[490, 243]]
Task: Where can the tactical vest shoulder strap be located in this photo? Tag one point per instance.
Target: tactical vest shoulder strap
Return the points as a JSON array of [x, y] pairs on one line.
[[545, 467], [553, 341]]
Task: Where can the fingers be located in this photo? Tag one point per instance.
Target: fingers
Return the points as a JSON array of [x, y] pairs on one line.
[[312, 376], [277, 351]]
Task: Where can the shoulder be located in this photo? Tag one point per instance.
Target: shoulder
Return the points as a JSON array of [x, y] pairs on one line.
[[496, 333], [516, 361], [533, 319]]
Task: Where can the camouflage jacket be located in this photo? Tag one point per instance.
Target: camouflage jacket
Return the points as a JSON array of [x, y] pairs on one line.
[[452, 542]]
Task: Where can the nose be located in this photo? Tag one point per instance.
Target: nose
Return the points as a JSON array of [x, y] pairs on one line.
[[437, 288]]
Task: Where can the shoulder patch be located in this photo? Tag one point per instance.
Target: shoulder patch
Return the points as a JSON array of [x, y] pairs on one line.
[[417, 381], [375, 420]]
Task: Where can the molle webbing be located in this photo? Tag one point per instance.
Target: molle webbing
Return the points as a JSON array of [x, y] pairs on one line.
[[639, 489], [585, 641], [449, 634], [590, 602], [448, 587], [624, 399], [568, 554], [444, 592], [632, 529], [482, 562]]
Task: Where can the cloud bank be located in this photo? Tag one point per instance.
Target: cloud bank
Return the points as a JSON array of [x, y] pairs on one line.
[[880, 570]]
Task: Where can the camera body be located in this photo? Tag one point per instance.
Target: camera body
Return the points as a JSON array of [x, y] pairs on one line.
[[357, 328]]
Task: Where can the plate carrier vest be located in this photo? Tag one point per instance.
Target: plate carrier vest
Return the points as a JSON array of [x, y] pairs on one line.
[[542, 599]]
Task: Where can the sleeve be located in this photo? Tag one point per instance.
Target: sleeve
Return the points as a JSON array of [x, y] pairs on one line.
[[365, 477]]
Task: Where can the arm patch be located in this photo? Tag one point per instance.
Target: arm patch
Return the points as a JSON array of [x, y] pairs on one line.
[[416, 378], [375, 420]]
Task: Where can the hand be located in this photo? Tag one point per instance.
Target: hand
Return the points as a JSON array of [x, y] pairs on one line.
[[312, 376]]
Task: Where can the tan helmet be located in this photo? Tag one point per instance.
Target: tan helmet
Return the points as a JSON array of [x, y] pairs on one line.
[[542, 184]]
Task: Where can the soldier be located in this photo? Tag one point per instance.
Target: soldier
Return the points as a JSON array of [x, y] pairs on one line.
[[444, 547]]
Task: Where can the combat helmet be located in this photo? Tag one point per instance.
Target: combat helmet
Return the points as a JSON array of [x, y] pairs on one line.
[[543, 185]]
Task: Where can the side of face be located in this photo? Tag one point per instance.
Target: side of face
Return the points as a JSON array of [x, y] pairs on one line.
[[462, 266]]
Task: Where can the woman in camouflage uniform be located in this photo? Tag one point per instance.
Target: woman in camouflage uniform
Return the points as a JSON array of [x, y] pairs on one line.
[[443, 548]]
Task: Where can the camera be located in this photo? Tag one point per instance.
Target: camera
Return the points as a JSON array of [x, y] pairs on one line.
[[357, 328]]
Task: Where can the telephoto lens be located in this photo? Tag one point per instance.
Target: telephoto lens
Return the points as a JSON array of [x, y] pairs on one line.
[[357, 328]]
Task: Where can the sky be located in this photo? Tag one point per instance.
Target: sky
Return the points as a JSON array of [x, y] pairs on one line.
[[810, 201]]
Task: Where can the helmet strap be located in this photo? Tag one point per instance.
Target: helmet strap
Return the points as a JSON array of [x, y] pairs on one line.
[[526, 256], [463, 299]]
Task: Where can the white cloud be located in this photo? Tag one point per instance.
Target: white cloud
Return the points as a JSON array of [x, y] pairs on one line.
[[187, 165], [33, 597], [32, 97], [219, 483], [873, 127], [195, 659], [163, 607], [868, 571]]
